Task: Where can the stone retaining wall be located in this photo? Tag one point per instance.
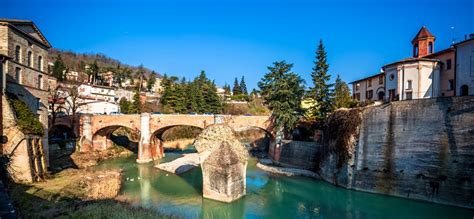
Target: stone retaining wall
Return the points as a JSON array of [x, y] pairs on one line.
[[299, 154], [418, 149]]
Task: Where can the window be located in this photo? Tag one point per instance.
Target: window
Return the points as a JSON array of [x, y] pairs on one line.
[[357, 96], [40, 63], [450, 85], [392, 77], [381, 79], [448, 64], [40, 81], [409, 95], [17, 53], [391, 94], [415, 50], [409, 85], [464, 90], [430, 47], [30, 62], [370, 82], [357, 86], [18, 75], [370, 94]]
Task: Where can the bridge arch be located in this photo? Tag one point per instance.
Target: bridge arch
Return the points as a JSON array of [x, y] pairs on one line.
[[157, 141], [102, 138]]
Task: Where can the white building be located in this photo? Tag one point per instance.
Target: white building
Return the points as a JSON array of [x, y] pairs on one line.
[[96, 99], [465, 67], [412, 78]]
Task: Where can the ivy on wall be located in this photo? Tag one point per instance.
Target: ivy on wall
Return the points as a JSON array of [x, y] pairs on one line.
[[27, 121]]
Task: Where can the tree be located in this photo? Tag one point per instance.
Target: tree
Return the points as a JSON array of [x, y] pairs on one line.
[[140, 73], [136, 106], [282, 91], [93, 72], [151, 81], [56, 102], [243, 86], [236, 90], [124, 105], [226, 89], [342, 95], [59, 68], [321, 92]]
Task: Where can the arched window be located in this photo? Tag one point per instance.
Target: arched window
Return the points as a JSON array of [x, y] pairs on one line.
[[415, 50], [430, 47], [464, 90], [29, 59], [18, 75], [17, 53], [40, 63]]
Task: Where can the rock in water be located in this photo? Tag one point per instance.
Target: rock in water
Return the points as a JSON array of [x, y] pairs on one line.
[[223, 162]]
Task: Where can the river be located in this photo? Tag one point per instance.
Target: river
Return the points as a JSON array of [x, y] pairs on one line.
[[268, 196]]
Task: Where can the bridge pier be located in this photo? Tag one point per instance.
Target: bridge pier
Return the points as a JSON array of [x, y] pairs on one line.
[[86, 133], [144, 147]]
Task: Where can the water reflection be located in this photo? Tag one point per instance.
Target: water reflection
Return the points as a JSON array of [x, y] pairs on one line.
[[267, 196]]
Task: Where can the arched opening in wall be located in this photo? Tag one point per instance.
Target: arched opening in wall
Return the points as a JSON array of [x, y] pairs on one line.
[[119, 137], [255, 139], [381, 95], [61, 137], [176, 139], [464, 91]]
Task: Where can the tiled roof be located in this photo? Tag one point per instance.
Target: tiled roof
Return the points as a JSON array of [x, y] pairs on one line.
[[423, 34]]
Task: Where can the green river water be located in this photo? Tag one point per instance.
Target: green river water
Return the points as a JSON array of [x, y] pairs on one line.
[[268, 196]]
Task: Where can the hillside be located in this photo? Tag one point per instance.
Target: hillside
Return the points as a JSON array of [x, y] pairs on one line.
[[77, 61]]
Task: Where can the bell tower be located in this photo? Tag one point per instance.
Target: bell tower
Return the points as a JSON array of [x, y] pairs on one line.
[[423, 43]]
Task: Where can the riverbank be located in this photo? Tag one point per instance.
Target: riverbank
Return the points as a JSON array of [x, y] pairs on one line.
[[268, 166], [78, 191]]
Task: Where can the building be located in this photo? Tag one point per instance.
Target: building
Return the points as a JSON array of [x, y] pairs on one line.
[[95, 99], [371, 88], [426, 74], [26, 73], [465, 67], [25, 76]]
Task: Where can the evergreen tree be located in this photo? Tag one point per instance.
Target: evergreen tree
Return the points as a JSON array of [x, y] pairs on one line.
[[236, 90], [136, 106], [283, 91], [243, 86], [93, 72], [59, 68], [226, 89], [321, 92], [342, 95], [124, 105], [151, 81]]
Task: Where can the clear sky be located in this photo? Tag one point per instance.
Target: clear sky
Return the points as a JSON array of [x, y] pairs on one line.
[[235, 38]]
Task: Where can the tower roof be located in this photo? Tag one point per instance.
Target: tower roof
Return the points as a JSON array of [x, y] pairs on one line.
[[423, 34]]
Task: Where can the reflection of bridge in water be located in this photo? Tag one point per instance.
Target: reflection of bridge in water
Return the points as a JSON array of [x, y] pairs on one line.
[[96, 130]]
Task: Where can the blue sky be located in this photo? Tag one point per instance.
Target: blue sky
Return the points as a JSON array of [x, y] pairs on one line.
[[235, 38]]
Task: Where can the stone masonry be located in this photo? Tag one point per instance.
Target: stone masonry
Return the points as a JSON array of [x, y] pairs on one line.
[[27, 77], [418, 149]]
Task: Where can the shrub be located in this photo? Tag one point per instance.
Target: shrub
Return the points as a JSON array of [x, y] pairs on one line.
[[339, 128], [27, 122]]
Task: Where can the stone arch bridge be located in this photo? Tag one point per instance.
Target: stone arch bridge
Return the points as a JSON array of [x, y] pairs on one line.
[[96, 130]]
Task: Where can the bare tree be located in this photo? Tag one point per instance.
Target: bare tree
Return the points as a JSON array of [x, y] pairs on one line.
[[56, 102]]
